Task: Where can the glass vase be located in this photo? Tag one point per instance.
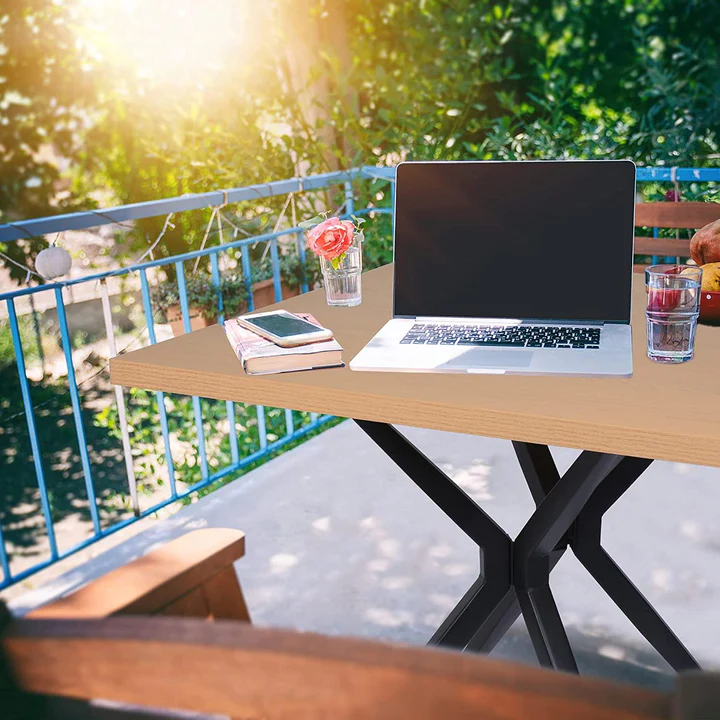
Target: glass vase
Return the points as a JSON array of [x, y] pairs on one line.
[[343, 284]]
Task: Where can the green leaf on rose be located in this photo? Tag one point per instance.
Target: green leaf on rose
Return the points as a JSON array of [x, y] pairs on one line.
[[335, 262], [309, 224], [358, 221]]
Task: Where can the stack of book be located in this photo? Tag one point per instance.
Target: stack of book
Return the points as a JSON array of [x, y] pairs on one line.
[[263, 357]]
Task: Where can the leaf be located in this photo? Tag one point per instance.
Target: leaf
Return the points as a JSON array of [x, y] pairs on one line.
[[335, 262], [358, 221], [308, 224]]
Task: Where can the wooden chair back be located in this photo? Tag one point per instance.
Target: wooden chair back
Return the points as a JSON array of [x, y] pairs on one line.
[[675, 215], [235, 670], [120, 640]]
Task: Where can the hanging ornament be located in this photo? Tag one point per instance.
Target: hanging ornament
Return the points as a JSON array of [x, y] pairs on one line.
[[53, 262]]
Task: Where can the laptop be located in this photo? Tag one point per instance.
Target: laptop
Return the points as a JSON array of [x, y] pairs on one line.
[[510, 267]]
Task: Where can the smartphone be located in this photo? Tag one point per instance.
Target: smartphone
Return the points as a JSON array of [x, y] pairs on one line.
[[284, 328]]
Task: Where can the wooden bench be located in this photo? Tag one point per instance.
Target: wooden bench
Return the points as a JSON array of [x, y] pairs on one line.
[[675, 215]]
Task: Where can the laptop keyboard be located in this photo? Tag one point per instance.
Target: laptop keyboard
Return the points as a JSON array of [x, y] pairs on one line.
[[549, 336]]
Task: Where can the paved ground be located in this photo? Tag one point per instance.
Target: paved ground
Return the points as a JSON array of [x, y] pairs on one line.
[[340, 541]]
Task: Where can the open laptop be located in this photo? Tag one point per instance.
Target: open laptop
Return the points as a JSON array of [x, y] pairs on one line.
[[510, 267]]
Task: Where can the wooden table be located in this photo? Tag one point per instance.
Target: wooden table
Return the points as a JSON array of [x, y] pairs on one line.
[[662, 412]]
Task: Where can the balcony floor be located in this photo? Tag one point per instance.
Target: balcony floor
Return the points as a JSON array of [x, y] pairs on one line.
[[339, 541]]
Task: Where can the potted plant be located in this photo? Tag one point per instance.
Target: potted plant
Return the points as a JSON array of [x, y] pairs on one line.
[[202, 300], [292, 276]]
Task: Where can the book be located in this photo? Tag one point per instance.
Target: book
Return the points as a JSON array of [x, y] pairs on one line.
[[263, 357]]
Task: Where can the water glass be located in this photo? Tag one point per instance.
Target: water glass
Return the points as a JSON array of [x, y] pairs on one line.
[[673, 306], [343, 284]]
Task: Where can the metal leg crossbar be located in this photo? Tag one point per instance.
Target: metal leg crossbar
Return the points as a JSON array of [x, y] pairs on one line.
[[514, 576]]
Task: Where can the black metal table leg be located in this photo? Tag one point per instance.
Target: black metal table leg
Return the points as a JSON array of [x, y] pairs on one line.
[[586, 544], [489, 590], [514, 577], [534, 545], [541, 475]]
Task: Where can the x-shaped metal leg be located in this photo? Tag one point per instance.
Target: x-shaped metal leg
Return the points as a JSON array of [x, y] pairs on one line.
[[586, 544], [514, 577], [476, 610]]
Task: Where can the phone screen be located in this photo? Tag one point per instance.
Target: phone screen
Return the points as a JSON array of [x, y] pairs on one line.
[[283, 325]]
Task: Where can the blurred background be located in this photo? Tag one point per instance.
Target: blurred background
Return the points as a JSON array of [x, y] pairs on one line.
[[110, 102], [120, 101]]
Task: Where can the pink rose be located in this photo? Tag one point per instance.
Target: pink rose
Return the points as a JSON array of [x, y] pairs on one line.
[[331, 238]]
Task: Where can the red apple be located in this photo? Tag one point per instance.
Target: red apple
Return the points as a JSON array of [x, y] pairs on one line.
[[662, 300]]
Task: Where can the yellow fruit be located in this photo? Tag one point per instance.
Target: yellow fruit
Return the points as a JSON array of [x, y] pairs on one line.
[[711, 277]]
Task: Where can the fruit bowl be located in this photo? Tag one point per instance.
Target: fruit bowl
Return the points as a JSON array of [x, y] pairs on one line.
[[710, 308]]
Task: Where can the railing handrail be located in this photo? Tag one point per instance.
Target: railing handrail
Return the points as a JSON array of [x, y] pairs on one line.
[[24, 229]]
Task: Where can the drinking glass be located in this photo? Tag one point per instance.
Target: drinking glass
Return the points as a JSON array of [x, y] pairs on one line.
[[343, 284], [673, 306]]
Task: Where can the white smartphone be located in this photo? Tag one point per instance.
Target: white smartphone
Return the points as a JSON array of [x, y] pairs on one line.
[[284, 328]]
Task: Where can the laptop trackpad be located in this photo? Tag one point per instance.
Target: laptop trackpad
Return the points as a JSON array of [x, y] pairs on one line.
[[477, 358]]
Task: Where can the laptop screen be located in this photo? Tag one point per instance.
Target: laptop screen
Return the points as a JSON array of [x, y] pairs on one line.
[[528, 240]]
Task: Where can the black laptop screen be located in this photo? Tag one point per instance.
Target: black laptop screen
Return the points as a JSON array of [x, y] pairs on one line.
[[532, 240]]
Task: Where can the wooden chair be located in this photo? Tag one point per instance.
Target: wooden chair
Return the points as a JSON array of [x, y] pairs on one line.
[[53, 667], [675, 215], [235, 670], [191, 576]]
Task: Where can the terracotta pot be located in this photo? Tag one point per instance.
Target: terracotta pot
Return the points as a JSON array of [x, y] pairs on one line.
[[264, 293], [197, 319]]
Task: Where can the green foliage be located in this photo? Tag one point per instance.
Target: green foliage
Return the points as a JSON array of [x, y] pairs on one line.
[[203, 295], [292, 270], [322, 84], [43, 94], [27, 337], [20, 508], [149, 453]]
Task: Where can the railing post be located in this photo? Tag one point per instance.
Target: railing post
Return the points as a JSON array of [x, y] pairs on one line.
[[262, 431], [159, 396], [120, 399], [277, 280], [33, 435], [77, 409], [197, 407], [247, 275], [215, 274], [38, 336], [302, 256], [349, 198], [229, 405], [289, 422]]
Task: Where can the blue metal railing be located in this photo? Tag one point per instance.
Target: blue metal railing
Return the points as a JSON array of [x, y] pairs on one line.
[[265, 446], [19, 230]]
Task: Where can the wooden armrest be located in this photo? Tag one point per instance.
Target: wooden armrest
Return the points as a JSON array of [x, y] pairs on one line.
[[180, 578]]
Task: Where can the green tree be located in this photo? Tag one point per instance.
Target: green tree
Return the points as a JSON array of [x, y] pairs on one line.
[[43, 93], [310, 85]]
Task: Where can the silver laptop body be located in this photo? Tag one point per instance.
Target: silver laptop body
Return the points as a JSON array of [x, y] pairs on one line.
[[510, 267]]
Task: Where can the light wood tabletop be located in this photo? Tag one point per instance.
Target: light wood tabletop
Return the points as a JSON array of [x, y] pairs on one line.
[[664, 412]]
